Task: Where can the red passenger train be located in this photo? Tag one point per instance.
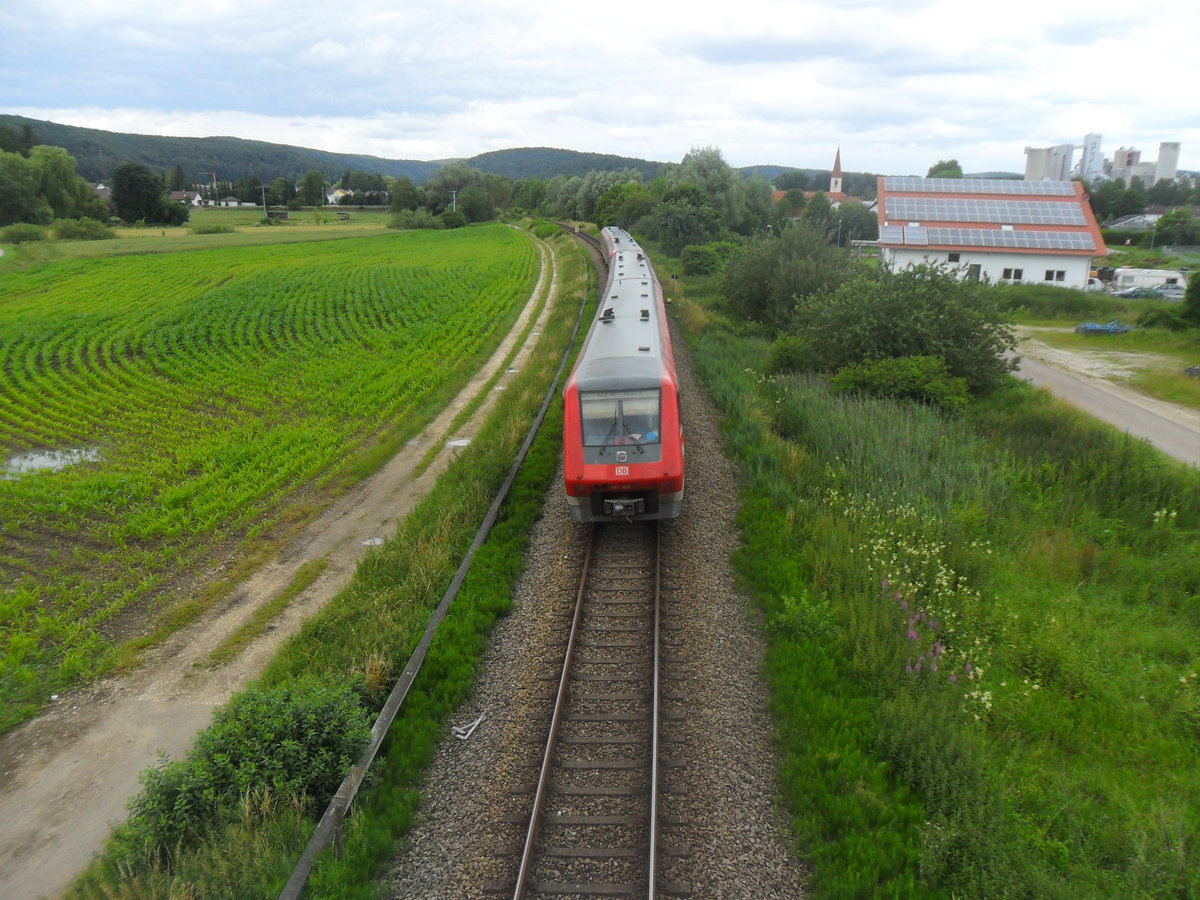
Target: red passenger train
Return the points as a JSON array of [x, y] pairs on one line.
[[623, 447]]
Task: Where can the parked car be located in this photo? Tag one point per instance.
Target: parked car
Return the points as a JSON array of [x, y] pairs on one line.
[[1140, 293], [1172, 291]]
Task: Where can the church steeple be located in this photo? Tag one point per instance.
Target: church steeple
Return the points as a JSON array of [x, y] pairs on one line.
[[835, 180]]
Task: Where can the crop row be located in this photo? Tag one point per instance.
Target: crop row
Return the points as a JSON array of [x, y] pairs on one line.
[[212, 385]]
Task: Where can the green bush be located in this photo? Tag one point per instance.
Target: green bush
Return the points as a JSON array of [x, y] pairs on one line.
[[700, 259], [295, 741], [407, 219], [82, 229], [452, 218], [1047, 301], [921, 378], [545, 230], [918, 311], [1159, 317], [220, 229], [790, 354], [22, 234]]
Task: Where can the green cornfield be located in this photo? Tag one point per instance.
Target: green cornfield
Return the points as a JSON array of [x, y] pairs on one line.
[[153, 408]]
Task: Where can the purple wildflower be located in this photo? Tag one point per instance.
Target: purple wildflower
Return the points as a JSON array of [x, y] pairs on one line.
[[912, 634], [953, 678], [938, 648]]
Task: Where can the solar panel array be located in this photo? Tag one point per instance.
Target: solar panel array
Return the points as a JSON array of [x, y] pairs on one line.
[[961, 209], [912, 184], [985, 238], [1013, 240]]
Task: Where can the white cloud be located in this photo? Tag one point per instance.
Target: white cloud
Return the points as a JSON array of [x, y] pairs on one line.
[[897, 86]]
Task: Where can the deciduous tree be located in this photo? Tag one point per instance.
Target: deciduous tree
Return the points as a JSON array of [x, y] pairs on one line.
[[945, 168], [138, 195]]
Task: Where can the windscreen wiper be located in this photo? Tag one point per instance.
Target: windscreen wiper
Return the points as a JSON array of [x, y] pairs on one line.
[[633, 437], [612, 429]]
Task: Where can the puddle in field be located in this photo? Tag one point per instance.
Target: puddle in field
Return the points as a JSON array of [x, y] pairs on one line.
[[43, 460]]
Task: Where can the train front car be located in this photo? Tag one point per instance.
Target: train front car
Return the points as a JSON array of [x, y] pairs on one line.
[[623, 448]]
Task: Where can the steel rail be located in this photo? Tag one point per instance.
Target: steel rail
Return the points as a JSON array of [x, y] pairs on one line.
[[652, 865], [529, 850], [564, 679]]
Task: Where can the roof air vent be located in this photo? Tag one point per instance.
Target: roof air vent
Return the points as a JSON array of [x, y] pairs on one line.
[[644, 349], [608, 315], [645, 315]]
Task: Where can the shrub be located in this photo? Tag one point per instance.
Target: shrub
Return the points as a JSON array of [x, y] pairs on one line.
[[22, 234], [545, 230], [790, 354], [1190, 308], [763, 281], [452, 218], [1158, 317], [700, 259], [82, 229], [1045, 301], [220, 229], [407, 219], [921, 378], [295, 740], [919, 311]]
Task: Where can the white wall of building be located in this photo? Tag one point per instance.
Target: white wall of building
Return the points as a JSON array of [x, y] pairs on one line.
[[1022, 268]]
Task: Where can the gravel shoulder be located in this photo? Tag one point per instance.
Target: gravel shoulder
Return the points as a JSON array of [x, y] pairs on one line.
[[66, 776], [737, 832]]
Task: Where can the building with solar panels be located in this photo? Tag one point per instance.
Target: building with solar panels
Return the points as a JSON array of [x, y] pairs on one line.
[[995, 230]]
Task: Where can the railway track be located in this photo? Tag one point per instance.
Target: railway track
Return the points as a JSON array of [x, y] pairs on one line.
[[593, 826]]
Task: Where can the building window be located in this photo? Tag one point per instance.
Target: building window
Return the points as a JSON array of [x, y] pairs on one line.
[[1013, 274], [953, 257], [1056, 275]]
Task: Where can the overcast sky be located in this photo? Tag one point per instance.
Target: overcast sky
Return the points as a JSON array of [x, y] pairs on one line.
[[897, 85]]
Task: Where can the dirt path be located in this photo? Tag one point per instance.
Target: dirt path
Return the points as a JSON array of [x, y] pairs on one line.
[[67, 776]]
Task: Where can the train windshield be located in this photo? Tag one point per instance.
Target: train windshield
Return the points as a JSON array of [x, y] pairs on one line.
[[629, 418]]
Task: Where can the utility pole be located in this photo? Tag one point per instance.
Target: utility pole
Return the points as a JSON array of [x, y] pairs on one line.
[[215, 198], [263, 187], [454, 200]]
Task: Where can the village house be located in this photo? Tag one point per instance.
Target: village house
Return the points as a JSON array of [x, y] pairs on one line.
[[188, 198], [994, 230]]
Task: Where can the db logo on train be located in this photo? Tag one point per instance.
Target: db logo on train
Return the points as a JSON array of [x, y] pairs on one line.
[[621, 470]]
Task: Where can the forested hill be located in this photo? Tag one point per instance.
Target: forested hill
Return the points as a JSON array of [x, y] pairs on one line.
[[98, 152]]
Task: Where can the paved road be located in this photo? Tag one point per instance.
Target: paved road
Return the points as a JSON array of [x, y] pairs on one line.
[[1172, 429]]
